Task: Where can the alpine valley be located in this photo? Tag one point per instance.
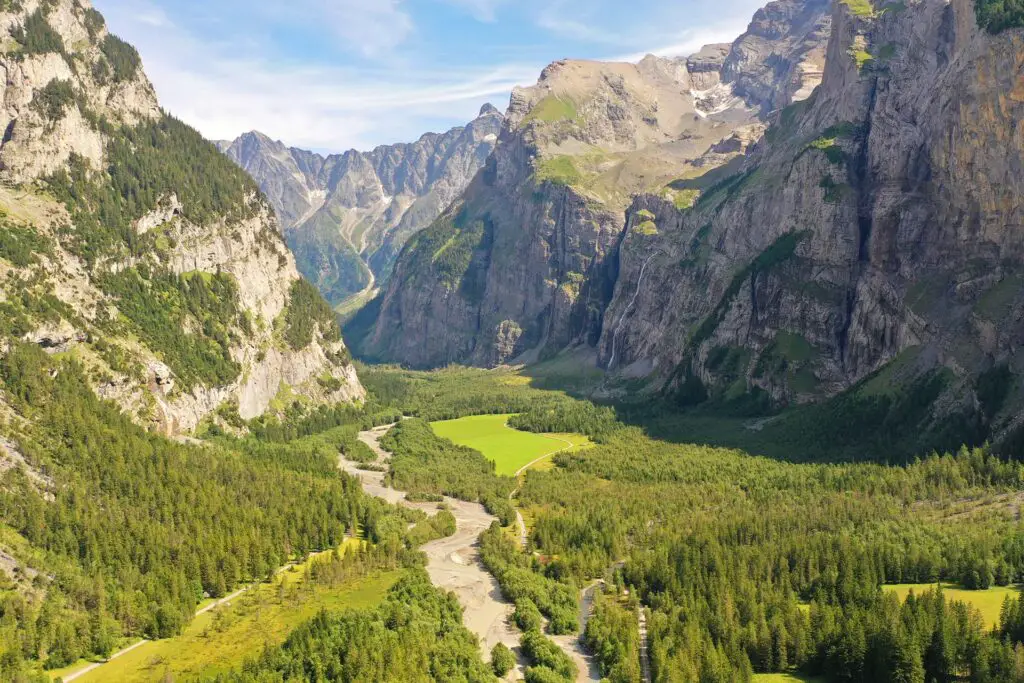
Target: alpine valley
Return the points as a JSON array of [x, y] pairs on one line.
[[699, 369]]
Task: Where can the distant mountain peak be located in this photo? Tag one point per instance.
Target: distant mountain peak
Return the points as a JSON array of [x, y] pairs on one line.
[[488, 110]]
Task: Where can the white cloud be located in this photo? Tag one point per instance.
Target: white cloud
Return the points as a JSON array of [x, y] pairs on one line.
[[319, 107], [481, 10], [369, 26], [687, 43]]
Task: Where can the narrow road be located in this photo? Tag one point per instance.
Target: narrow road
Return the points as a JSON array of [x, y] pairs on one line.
[[645, 656], [453, 563], [520, 523]]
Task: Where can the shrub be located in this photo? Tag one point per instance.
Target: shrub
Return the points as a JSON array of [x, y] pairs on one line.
[[306, 312], [124, 59], [54, 99], [502, 660], [37, 36]]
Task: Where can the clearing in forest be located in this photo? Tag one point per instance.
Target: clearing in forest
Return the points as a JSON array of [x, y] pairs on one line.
[[509, 449], [988, 602], [220, 640], [783, 678]]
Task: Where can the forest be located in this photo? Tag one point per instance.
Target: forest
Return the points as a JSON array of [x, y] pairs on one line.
[[135, 539], [744, 564]]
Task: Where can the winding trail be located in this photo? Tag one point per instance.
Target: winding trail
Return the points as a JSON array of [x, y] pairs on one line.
[[520, 523], [213, 605]]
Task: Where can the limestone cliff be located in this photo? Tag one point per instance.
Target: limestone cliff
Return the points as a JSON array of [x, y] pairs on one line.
[[524, 263], [129, 242], [346, 216], [872, 238]]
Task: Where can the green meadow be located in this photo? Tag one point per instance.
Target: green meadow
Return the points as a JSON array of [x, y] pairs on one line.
[[988, 602], [509, 449], [223, 638]]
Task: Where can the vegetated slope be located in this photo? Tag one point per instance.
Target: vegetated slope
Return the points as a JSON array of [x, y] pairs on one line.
[[870, 240], [347, 216], [109, 533], [129, 242], [524, 262]]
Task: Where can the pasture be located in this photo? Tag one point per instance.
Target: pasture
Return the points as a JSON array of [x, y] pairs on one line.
[[509, 449], [988, 602]]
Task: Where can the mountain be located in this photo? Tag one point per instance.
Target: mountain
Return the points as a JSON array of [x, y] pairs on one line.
[[346, 216], [524, 263], [130, 244], [864, 245]]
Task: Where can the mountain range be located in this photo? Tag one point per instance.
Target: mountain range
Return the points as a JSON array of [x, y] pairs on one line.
[[347, 216], [826, 210]]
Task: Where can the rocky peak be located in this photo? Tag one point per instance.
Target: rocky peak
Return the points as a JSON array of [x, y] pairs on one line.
[[865, 247], [348, 215], [488, 110], [522, 264]]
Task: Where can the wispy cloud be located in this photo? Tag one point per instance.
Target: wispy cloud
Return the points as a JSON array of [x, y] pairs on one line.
[[310, 105], [336, 74], [481, 10]]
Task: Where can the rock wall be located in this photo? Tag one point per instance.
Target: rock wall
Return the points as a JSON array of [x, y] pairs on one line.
[[880, 219], [574, 150]]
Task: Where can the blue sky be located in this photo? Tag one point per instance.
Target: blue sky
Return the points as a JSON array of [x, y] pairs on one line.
[[331, 75]]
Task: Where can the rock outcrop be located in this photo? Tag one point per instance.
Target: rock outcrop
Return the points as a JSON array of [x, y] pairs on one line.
[[347, 216], [159, 266], [524, 263]]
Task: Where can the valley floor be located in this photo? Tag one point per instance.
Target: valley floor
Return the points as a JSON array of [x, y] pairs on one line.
[[452, 562]]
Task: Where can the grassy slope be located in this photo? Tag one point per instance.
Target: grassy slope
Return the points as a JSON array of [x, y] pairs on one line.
[[783, 678], [988, 602], [223, 638], [510, 449]]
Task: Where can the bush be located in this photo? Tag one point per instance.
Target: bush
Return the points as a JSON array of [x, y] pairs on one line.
[[996, 16], [38, 37], [306, 312], [502, 660], [54, 99]]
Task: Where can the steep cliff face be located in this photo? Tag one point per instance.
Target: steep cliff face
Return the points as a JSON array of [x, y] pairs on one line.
[[878, 221], [130, 243], [347, 216], [524, 263]]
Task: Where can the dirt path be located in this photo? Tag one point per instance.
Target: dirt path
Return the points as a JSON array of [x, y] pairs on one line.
[[520, 523], [213, 605], [454, 562], [645, 655], [572, 644]]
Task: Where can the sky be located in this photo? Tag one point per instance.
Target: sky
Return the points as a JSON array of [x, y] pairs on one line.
[[333, 75]]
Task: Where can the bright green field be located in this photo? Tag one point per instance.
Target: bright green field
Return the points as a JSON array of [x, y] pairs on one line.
[[988, 602], [782, 678], [221, 639], [508, 448]]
